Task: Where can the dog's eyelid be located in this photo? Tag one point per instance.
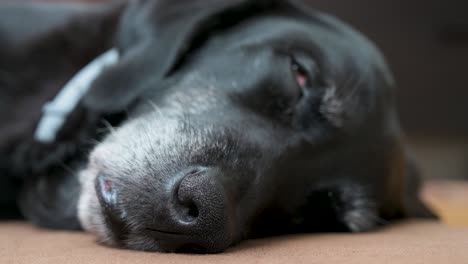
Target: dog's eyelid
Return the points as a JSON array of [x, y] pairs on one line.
[[106, 190], [302, 76], [307, 64]]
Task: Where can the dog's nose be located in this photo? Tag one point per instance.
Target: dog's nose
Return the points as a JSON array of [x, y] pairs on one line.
[[191, 216], [200, 218]]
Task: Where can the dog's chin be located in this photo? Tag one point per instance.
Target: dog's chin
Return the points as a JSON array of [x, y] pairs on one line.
[[89, 209]]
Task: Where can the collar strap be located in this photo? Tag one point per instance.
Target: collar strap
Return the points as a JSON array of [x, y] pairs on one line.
[[56, 112]]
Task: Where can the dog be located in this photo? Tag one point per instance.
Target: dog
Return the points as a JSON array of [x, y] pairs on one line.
[[210, 122]]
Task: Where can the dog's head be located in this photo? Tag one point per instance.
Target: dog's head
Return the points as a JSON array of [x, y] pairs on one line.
[[236, 109]]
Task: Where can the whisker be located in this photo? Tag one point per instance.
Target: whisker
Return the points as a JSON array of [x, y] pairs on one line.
[[156, 107]]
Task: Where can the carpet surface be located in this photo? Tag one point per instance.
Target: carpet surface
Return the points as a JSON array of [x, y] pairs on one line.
[[408, 242]]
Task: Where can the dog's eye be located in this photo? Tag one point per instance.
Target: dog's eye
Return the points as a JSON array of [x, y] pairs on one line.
[[106, 192], [300, 76]]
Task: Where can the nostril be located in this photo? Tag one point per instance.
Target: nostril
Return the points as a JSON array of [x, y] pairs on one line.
[[185, 196], [193, 210], [198, 210], [190, 212]]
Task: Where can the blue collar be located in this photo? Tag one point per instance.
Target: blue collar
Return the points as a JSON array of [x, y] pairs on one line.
[[56, 112]]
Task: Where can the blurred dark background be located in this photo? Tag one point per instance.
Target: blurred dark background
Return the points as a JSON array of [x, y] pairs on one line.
[[426, 45]]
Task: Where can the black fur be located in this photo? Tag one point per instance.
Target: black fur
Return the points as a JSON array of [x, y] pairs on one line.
[[215, 139]]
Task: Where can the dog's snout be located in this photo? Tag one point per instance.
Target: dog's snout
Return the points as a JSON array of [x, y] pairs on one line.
[[191, 216], [201, 219]]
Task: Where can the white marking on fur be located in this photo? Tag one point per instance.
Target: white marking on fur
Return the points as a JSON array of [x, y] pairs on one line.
[[57, 111]]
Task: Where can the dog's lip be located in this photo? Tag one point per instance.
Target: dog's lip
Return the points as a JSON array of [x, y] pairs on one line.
[[164, 232]]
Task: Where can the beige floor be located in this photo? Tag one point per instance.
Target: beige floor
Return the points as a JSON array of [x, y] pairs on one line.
[[410, 242], [449, 199]]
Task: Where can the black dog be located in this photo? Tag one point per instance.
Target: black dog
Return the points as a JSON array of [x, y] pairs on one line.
[[221, 120]]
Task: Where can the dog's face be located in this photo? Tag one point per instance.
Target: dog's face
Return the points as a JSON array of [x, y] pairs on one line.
[[236, 111]]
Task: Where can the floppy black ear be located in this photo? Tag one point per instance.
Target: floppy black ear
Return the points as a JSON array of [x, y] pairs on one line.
[[155, 37]]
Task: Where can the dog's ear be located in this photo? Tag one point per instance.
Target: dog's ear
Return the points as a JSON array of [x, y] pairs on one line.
[[155, 38]]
